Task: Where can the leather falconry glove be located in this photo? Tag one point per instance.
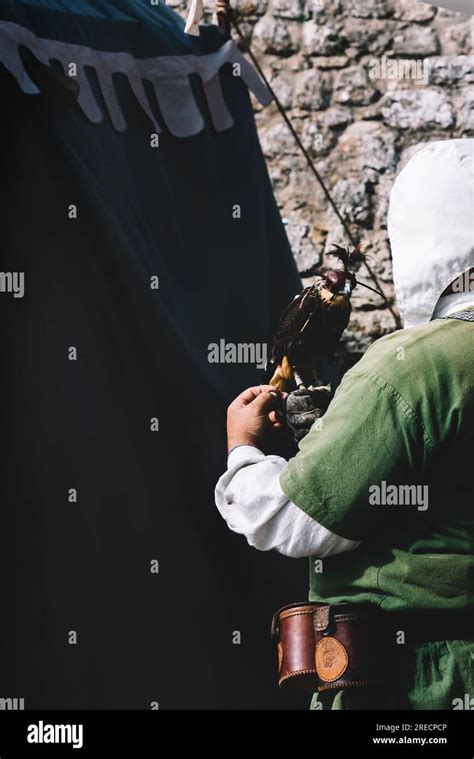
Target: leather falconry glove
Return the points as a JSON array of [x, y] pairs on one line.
[[303, 407]]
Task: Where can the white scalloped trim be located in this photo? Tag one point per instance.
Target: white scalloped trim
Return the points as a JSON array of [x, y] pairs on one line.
[[169, 76]]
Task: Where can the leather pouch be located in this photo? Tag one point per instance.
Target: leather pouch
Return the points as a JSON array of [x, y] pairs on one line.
[[322, 646]]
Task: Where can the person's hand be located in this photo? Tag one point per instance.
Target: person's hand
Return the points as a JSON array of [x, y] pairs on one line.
[[252, 415]]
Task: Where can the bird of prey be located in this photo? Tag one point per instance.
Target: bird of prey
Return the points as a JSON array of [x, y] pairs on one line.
[[311, 326]]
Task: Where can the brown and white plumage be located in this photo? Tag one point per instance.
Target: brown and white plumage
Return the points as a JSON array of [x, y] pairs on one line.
[[311, 326]]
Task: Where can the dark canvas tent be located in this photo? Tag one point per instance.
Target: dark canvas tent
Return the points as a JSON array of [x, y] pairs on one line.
[[92, 211]]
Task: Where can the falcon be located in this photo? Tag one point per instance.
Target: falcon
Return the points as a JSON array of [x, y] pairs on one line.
[[311, 326]]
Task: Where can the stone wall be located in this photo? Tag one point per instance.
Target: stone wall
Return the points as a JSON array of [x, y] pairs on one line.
[[365, 83]]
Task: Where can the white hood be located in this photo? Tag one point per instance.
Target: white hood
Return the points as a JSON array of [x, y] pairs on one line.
[[461, 6], [431, 226]]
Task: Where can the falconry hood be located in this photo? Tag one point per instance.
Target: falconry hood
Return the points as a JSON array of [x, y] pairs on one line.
[[431, 226]]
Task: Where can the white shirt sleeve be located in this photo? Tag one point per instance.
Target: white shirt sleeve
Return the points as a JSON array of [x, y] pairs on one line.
[[250, 499]]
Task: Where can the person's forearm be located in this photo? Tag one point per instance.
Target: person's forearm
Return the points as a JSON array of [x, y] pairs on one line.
[[250, 499]]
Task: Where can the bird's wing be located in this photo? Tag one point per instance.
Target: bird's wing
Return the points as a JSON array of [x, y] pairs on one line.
[[293, 321]]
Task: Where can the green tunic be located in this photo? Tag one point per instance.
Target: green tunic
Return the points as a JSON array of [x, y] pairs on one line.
[[403, 416]]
